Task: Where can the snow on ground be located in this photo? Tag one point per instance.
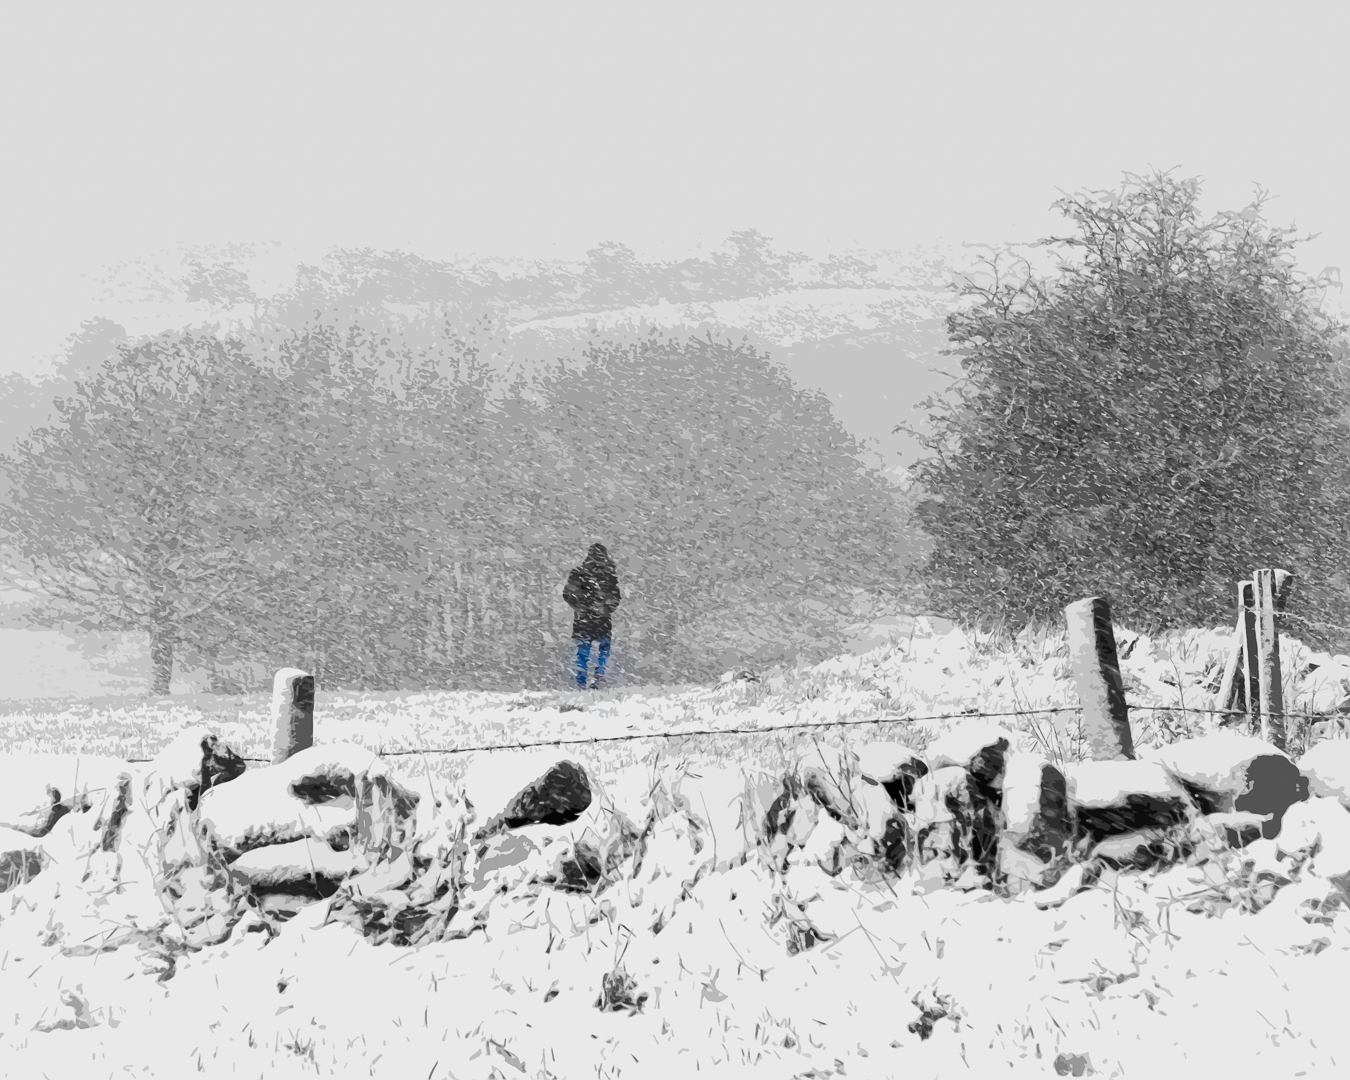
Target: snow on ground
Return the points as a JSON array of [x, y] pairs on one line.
[[48, 663], [1123, 978], [785, 318], [1022, 986]]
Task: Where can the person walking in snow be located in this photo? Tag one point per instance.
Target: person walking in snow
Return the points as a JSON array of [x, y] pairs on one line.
[[592, 591]]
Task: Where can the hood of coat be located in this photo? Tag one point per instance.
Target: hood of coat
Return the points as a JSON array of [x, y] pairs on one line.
[[597, 558]]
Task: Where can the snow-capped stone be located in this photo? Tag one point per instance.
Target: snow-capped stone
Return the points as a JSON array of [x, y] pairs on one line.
[[955, 825], [791, 818], [508, 860], [196, 760], [892, 766], [1319, 826], [512, 789], [1227, 771], [1036, 827], [1240, 828], [303, 867], [334, 793], [762, 787], [1035, 802], [980, 749], [886, 831], [557, 797], [826, 847], [594, 856], [1107, 798], [874, 805], [1327, 767], [89, 809], [1145, 849], [584, 853], [1020, 871], [941, 796], [830, 797], [882, 762], [381, 877], [21, 858]]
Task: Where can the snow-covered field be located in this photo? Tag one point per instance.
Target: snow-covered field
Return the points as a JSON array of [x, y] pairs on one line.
[[49, 664], [1159, 972]]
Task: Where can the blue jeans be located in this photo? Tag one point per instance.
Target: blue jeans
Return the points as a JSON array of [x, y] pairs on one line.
[[584, 657]]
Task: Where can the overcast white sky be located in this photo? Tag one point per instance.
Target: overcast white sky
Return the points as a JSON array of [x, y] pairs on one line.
[[539, 130]]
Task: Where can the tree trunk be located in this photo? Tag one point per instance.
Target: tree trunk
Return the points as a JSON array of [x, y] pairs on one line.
[[469, 653], [459, 638], [442, 639], [547, 622], [161, 659], [220, 682], [485, 627]]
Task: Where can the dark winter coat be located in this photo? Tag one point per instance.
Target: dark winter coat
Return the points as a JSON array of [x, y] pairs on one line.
[[592, 590]]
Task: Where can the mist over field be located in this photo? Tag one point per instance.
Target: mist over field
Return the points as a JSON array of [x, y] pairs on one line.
[[858, 311]]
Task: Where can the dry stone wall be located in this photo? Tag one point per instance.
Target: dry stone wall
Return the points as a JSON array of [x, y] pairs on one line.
[[231, 850]]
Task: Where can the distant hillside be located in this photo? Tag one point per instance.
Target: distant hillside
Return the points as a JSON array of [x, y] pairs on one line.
[[864, 327]]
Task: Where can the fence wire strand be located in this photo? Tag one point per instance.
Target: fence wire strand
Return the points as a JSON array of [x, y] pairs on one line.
[[876, 721]]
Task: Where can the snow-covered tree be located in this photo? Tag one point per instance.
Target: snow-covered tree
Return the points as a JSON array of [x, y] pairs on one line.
[[1164, 416]]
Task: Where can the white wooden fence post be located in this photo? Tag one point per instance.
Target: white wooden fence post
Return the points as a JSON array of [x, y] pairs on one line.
[[1241, 682], [1271, 590], [292, 713], [1096, 669], [1251, 672], [1235, 669]]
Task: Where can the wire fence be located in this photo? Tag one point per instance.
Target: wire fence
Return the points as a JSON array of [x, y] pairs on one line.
[[1307, 715], [818, 724], [769, 730], [874, 721], [634, 736]]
